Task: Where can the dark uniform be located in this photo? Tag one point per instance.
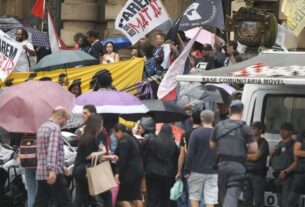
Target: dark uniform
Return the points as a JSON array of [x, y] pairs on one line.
[[281, 160], [256, 177], [232, 138], [298, 186]]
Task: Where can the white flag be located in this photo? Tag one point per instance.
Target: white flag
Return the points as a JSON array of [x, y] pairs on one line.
[[53, 37], [137, 18], [167, 87]]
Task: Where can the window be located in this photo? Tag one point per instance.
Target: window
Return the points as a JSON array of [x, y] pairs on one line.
[[284, 108]]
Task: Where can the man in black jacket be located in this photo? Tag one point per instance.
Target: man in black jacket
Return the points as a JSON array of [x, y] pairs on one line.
[[96, 48]]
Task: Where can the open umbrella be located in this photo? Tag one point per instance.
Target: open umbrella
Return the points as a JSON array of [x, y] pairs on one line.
[[119, 42], [65, 59], [36, 37], [74, 121], [164, 111], [7, 23], [26, 106], [111, 102]]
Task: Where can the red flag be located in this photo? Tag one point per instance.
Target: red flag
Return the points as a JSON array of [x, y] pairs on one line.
[[38, 9], [167, 87]]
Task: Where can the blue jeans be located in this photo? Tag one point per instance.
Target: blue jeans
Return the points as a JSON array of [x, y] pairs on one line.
[[31, 183]]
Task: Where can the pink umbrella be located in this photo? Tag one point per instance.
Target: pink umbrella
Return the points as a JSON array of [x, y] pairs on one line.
[[204, 37], [24, 107]]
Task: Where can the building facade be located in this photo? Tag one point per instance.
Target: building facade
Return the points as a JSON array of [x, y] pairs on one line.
[[73, 16]]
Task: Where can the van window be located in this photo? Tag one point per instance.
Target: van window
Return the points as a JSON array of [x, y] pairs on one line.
[[283, 108]]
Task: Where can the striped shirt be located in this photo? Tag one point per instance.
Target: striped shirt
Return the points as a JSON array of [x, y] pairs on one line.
[[50, 153]]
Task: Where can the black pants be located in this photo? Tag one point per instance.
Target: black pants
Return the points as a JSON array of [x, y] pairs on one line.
[[158, 190], [59, 192], [297, 188], [82, 197], [254, 190]]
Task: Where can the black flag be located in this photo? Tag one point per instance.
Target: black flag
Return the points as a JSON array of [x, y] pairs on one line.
[[206, 13]]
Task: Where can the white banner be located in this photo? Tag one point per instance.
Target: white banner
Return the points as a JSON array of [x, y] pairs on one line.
[[9, 55], [139, 17]]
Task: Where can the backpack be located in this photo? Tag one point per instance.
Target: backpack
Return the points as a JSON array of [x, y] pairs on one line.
[[27, 152]]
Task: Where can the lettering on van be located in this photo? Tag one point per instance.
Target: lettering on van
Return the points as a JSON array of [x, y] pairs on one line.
[[240, 80]]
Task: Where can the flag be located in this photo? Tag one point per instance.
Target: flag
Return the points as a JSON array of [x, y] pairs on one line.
[[37, 13], [294, 10], [205, 13], [137, 18], [56, 43], [173, 32], [167, 87]]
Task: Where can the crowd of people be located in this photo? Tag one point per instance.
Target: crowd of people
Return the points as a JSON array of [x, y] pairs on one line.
[[215, 161]]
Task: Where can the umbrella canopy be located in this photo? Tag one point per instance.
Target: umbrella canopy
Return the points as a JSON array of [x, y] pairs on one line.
[[65, 59], [111, 102], [204, 36], [164, 111], [119, 42], [210, 93], [7, 23], [26, 106], [36, 37]]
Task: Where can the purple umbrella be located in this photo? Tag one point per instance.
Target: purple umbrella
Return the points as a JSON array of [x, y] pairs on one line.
[[113, 102]]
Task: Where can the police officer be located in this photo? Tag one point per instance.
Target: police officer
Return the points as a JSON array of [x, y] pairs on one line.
[[297, 186], [283, 164], [256, 169], [233, 140]]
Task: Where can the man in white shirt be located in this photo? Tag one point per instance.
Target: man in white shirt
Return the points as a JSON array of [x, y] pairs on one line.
[[27, 54]]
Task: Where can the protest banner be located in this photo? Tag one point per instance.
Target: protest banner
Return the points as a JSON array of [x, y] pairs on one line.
[[295, 12], [9, 55], [139, 17], [124, 74]]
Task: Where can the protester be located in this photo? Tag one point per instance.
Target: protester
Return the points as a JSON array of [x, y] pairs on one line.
[[161, 53], [130, 171], [30, 178], [83, 44], [159, 153], [50, 162], [254, 189], [199, 164], [222, 113], [233, 140], [150, 62], [89, 149], [88, 110], [27, 59], [75, 88], [140, 47], [221, 57], [184, 144], [110, 56], [297, 186], [103, 81], [96, 48], [283, 164], [208, 61], [232, 54], [76, 38]]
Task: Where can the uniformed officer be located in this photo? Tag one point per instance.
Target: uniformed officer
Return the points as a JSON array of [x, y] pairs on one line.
[[297, 186], [283, 164], [233, 140], [256, 169]]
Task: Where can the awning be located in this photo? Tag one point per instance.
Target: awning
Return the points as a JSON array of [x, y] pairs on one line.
[[275, 68]]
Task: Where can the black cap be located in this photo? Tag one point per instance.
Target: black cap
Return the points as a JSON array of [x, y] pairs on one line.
[[208, 47], [236, 103], [287, 126], [259, 125]]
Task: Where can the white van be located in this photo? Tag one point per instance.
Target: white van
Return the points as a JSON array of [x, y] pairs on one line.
[[273, 93]]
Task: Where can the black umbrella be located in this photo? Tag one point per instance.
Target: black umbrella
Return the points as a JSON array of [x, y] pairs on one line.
[[164, 111], [210, 93], [161, 111]]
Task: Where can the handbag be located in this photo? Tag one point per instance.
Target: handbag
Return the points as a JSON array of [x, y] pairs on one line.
[[100, 177]]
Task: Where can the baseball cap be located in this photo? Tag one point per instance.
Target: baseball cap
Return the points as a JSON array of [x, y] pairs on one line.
[[287, 126], [236, 103], [258, 125], [208, 47]]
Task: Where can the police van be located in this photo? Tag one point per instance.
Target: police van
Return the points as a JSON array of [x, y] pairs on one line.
[[273, 93]]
